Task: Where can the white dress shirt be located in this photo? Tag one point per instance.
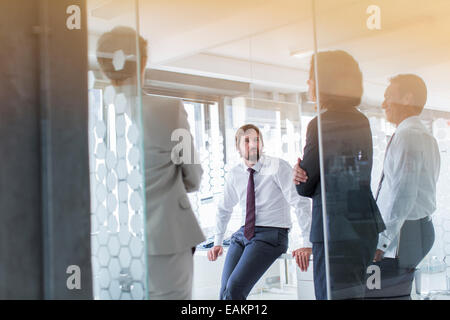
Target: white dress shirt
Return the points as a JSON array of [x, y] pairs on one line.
[[408, 191], [275, 193]]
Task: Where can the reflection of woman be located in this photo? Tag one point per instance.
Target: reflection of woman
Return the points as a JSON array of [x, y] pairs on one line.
[[353, 218]]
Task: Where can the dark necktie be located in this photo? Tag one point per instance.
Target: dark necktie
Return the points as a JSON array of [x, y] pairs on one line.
[[382, 173], [249, 228]]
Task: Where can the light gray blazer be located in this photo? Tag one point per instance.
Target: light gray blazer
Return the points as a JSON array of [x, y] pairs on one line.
[[171, 224]]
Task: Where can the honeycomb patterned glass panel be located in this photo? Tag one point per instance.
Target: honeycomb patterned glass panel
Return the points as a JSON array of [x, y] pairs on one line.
[[116, 160], [441, 218]]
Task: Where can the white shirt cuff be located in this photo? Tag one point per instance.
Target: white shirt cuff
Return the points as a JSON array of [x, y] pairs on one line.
[[306, 243], [218, 240], [383, 242]]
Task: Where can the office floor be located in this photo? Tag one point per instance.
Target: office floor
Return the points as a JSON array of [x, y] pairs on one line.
[[288, 293]]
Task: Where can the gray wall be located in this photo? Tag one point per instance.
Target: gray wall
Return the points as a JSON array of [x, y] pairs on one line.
[[44, 174]]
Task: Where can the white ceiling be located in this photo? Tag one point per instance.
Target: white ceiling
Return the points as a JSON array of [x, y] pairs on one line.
[[252, 40]]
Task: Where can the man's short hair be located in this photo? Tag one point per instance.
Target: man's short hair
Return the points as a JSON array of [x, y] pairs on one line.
[[340, 79], [120, 38], [413, 84], [242, 130]]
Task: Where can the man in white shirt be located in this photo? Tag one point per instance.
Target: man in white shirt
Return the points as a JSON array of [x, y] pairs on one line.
[[406, 194], [262, 186]]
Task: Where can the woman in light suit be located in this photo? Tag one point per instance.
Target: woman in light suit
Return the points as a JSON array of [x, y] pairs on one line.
[[171, 226]]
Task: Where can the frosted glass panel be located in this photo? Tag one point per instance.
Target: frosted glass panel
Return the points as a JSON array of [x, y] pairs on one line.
[[118, 245]]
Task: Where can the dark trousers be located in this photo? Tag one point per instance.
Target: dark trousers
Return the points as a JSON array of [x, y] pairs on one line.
[[248, 260], [348, 262], [397, 274], [416, 240]]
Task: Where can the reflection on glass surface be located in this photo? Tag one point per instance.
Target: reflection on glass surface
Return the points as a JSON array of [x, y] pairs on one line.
[[272, 58], [404, 63], [339, 173], [115, 157]]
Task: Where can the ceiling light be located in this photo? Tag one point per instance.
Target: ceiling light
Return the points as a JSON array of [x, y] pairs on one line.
[[301, 54]]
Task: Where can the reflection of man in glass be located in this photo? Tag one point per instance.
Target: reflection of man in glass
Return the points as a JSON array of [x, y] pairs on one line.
[[172, 228], [262, 186], [406, 193], [353, 219]]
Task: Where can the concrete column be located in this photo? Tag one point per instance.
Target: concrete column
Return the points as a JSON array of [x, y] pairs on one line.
[[44, 173]]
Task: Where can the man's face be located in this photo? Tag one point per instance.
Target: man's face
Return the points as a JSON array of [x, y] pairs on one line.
[[393, 104], [250, 146]]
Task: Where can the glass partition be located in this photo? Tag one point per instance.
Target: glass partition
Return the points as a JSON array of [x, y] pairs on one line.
[[116, 54], [316, 131], [379, 81], [274, 101], [336, 85], [233, 63]]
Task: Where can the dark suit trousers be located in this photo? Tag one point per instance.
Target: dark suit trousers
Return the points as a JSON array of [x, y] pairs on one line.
[[416, 240], [248, 260], [348, 262]]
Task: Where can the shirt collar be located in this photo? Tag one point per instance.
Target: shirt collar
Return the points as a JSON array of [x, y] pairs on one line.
[[409, 122], [257, 167]]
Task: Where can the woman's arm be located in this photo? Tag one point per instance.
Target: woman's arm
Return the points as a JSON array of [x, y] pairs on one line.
[[310, 162]]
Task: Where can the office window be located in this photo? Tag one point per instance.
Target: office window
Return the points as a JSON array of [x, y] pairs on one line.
[[283, 138]]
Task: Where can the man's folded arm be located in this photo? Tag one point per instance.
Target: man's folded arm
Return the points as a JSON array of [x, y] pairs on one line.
[[191, 172], [192, 176]]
